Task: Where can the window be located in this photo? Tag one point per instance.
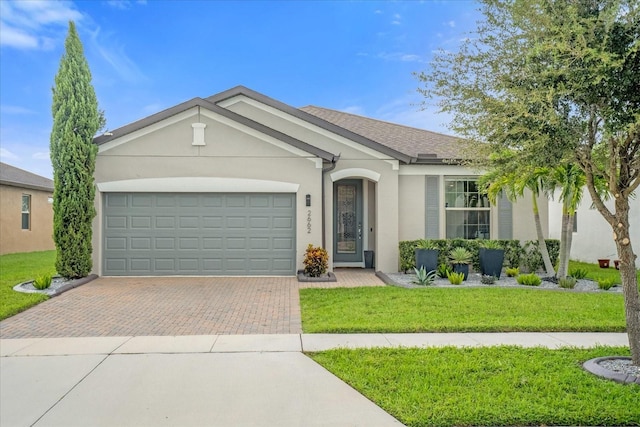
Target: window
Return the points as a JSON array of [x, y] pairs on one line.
[[575, 222], [26, 212], [468, 211]]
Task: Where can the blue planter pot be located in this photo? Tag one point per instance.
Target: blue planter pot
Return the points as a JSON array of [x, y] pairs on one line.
[[462, 268], [427, 258], [491, 261]]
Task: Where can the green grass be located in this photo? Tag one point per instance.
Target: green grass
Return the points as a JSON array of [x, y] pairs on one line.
[[594, 272], [391, 309], [498, 386], [18, 268]]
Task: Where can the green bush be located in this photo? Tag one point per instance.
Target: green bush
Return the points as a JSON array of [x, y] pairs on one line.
[[568, 282], [578, 273], [455, 278], [530, 279], [316, 261], [515, 254], [488, 279], [42, 282], [512, 271], [532, 258], [442, 270], [424, 277], [606, 283]]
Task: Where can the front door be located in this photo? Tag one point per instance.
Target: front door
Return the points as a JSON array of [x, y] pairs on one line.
[[347, 220]]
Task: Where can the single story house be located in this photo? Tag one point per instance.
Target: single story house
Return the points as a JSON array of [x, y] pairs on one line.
[[240, 184], [26, 211]]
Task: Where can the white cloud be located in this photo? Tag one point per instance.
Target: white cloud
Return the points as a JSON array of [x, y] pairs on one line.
[[30, 24], [7, 155], [16, 38], [116, 56], [397, 19], [451, 23], [119, 4], [124, 4], [41, 155], [400, 56], [378, 12]]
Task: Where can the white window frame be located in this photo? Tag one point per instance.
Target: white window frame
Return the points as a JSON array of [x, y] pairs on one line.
[[482, 205], [25, 211]]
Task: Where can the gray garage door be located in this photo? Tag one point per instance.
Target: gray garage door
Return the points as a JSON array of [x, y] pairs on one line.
[[198, 234]]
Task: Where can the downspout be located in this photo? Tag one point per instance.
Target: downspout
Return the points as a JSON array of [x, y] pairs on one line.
[[332, 166]]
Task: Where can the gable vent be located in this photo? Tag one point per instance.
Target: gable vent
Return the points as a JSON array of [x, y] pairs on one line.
[[198, 133]]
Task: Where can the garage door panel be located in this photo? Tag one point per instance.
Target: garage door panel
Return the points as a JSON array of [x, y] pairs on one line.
[[210, 233]]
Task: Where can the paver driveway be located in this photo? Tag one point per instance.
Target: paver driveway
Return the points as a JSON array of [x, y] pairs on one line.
[[173, 306]]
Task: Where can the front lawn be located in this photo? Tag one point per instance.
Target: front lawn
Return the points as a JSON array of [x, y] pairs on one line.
[[391, 309], [497, 386], [594, 272], [18, 268]]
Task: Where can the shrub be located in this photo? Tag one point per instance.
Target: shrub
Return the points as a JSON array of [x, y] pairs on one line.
[[532, 259], [578, 273], [488, 279], [530, 279], [460, 255], [455, 278], [606, 283], [42, 282], [316, 261], [407, 255], [568, 282], [424, 277], [443, 270], [512, 271], [490, 244]]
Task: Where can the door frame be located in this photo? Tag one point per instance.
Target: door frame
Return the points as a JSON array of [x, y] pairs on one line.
[[356, 259]]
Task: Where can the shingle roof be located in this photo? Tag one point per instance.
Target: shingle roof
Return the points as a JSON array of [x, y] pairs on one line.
[[423, 145], [11, 175]]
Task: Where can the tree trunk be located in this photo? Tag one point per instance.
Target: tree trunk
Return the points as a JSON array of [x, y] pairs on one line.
[[628, 276], [564, 261], [542, 244]]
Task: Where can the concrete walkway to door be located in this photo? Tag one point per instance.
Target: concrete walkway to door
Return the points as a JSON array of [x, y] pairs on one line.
[[161, 306]]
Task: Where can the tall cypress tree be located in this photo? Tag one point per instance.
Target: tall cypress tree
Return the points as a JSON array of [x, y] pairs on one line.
[[76, 119]]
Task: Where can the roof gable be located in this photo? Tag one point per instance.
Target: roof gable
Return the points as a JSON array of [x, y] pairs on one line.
[[403, 143], [15, 177], [208, 105]]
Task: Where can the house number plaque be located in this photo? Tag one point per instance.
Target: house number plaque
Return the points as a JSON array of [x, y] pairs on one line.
[[309, 221]]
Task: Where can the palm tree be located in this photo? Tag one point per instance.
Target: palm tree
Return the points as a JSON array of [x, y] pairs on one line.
[[570, 179], [514, 185]]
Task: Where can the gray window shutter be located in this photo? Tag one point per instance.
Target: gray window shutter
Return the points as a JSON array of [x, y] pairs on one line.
[[432, 208], [505, 218]]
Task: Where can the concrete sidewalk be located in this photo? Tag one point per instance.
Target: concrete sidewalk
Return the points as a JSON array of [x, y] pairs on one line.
[[213, 380]]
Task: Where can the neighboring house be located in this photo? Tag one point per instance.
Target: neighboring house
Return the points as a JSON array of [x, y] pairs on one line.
[[592, 235], [26, 211], [240, 184]]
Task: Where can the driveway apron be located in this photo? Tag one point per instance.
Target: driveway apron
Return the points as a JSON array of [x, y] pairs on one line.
[[110, 306], [162, 306]]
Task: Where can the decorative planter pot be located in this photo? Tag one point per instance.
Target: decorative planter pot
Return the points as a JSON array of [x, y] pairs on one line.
[[427, 258], [462, 268], [616, 264], [604, 263], [491, 261], [368, 259]]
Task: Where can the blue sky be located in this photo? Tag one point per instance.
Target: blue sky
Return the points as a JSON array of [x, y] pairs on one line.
[[146, 56]]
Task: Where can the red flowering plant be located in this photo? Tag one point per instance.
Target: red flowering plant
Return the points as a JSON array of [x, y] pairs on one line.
[[316, 261]]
